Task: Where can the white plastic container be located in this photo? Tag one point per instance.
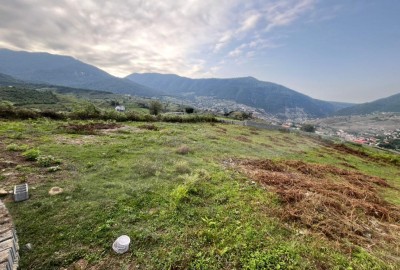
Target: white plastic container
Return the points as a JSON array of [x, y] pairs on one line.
[[121, 245]]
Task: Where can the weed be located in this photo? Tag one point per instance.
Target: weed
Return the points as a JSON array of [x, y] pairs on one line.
[[17, 148], [277, 258], [47, 161], [182, 167], [183, 150], [147, 168], [54, 168], [31, 154]]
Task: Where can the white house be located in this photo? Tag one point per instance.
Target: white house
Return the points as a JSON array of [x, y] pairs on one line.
[[120, 108]]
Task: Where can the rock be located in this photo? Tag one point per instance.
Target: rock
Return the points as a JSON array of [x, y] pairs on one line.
[[3, 192], [28, 246], [55, 191]]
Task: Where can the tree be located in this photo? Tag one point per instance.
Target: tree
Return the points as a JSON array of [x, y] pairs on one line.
[[308, 128], [155, 107], [189, 110]]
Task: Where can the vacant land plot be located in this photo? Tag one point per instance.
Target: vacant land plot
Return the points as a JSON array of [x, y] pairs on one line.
[[197, 196]]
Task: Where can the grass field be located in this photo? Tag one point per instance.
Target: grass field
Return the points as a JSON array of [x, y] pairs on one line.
[[198, 196]]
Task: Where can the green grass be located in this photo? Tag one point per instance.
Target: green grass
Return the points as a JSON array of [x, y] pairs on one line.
[[181, 211]]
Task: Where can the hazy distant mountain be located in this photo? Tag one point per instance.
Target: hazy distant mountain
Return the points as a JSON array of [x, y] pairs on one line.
[[389, 104], [8, 80], [66, 71], [273, 98]]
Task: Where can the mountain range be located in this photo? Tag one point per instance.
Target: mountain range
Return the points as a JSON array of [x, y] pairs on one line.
[[19, 67], [65, 71], [272, 98]]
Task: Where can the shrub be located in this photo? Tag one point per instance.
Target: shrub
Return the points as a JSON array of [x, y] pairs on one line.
[[189, 110], [53, 115], [27, 114], [89, 111], [31, 154]]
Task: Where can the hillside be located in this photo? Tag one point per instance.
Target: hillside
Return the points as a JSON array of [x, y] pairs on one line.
[[197, 196], [273, 98], [389, 104], [23, 96], [65, 71], [6, 80]]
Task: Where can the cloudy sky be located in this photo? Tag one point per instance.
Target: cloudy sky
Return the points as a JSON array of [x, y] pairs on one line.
[[342, 50]]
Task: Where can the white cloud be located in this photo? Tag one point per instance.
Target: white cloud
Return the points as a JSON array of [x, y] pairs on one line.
[[124, 36]]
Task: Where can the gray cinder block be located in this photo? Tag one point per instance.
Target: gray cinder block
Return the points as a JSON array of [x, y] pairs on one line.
[[21, 192]]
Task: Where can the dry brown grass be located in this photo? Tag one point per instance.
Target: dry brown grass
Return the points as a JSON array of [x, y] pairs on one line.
[[340, 204]]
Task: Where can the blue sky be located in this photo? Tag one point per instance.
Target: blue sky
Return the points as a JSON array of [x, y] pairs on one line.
[[334, 50]]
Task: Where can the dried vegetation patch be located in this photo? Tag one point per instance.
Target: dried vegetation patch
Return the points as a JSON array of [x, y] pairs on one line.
[[89, 128], [343, 205]]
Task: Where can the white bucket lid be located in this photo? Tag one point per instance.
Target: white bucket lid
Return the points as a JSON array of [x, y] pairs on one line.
[[123, 240]]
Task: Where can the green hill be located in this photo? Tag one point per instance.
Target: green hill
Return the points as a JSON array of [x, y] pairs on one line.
[[22, 96]]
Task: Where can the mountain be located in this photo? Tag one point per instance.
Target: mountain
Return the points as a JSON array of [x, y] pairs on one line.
[[6, 80], [65, 71], [389, 104], [273, 98]]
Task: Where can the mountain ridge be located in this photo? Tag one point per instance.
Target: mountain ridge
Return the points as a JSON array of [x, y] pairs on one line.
[[271, 97], [41, 67], [387, 104]]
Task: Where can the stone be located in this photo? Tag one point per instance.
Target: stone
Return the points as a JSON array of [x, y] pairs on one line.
[[3, 192], [55, 191], [28, 246]]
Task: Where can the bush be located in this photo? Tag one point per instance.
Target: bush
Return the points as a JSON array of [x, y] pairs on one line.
[[189, 110], [53, 115], [27, 114], [47, 161], [89, 111], [31, 154]]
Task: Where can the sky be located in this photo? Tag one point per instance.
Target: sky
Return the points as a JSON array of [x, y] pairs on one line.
[[337, 50]]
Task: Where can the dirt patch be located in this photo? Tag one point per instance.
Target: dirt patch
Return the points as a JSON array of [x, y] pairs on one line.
[[15, 169], [89, 128], [242, 139], [342, 205]]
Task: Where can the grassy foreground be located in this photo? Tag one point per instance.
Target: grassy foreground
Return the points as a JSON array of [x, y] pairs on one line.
[[175, 190]]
